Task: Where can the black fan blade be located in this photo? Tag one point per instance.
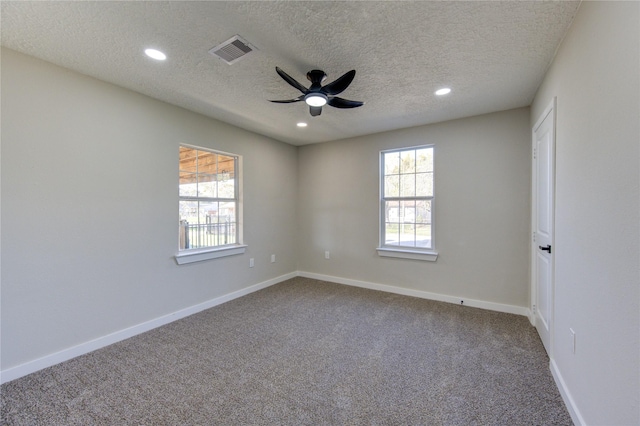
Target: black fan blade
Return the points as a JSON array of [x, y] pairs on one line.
[[315, 111], [340, 84], [286, 77], [337, 102], [288, 101]]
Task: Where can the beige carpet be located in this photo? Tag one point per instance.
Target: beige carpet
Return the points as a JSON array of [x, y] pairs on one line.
[[305, 352]]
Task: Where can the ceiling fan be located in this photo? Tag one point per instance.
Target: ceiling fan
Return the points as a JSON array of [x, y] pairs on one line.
[[317, 95]]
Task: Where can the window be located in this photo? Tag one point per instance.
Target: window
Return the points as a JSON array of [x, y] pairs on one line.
[[209, 201], [406, 203]]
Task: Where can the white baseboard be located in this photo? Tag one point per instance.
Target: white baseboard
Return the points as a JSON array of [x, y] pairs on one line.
[[100, 342], [92, 345], [566, 395], [499, 307]]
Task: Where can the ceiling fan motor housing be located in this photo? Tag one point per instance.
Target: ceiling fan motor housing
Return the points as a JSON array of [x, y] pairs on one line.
[[316, 77]]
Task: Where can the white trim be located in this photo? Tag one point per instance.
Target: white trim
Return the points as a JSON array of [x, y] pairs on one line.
[[29, 367], [430, 256], [191, 256], [382, 198], [197, 255], [566, 395], [547, 110], [492, 306], [550, 109]]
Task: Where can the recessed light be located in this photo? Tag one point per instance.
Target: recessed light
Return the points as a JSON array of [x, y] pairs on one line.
[[155, 54], [301, 124], [443, 91]]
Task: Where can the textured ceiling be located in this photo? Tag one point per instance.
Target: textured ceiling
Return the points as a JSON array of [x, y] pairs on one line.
[[492, 54]]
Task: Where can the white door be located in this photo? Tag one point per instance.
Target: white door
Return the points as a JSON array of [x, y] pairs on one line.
[[543, 182]]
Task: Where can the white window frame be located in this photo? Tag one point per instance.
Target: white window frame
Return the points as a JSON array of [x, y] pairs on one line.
[[394, 251], [214, 252]]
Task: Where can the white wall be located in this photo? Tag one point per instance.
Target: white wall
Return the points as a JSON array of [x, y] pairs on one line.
[[90, 209], [482, 187], [71, 274], [595, 77]]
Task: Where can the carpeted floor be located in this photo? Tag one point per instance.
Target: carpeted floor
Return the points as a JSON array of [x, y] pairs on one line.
[[305, 352]]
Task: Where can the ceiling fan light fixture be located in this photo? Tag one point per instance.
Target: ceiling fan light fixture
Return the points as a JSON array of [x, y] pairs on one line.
[[316, 99]]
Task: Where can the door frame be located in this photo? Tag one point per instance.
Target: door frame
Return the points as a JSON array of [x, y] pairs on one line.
[[550, 110]]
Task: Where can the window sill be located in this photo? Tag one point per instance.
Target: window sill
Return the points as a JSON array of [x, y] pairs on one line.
[[429, 256], [198, 255]]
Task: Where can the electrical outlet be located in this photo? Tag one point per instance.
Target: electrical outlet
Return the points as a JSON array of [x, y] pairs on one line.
[[327, 255], [251, 263], [273, 258]]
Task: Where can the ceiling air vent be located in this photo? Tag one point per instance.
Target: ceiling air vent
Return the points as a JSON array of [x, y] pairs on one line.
[[232, 50]]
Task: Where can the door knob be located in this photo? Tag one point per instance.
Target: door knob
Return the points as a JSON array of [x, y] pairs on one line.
[[547, 248]]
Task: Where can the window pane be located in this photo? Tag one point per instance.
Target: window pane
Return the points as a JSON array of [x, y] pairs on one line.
[[392, 186], [207, 186], [210, 177], [188, 159], [188, 222], [424, 160], [408, 212], [207, 209], [226, 188], [391, 163], [189, 211], [408, 164], [408, 185], [408, 175], [228, 211], [200, 234], [424, 184], [392, 211], [226, 167], [407, 235], [188, 184], [207, 162], [423, 236], [392, 222], [227, 223], [423, 211], [391, 235]]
